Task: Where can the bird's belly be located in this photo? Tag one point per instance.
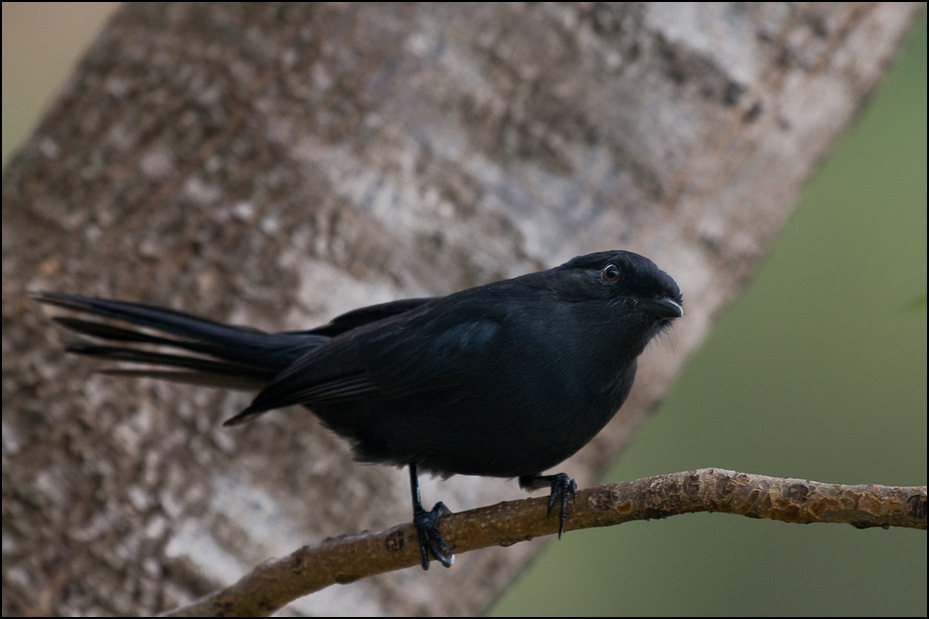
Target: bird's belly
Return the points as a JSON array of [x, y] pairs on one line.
[[495, 435]]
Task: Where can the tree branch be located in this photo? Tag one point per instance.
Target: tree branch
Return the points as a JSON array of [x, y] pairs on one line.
[[348, 558]]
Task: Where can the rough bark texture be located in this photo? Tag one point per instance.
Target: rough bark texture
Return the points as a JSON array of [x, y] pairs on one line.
[[275, 164]]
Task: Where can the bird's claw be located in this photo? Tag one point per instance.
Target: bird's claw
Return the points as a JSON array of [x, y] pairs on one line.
[[430, 539], [565, 488]]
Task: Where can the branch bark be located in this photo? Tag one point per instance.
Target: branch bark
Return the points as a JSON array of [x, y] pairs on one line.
[[346, 559]]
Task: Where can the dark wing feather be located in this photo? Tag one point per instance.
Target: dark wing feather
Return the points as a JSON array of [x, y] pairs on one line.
[[367, 315], [386, 359]]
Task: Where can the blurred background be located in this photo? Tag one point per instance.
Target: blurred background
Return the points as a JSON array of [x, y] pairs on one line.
[[817, 372]]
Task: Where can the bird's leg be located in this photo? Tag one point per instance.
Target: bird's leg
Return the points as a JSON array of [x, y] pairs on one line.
[[563, 488], [427, 527]]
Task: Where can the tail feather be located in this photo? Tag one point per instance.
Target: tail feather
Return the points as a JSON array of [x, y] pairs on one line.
[[112, 333], [234, 356], [132, 355]]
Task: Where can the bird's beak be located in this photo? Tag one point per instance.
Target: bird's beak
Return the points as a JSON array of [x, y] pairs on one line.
[[663, 307]]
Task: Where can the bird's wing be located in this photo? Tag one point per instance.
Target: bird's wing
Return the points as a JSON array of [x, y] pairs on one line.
[[367, 315], [421, 350]]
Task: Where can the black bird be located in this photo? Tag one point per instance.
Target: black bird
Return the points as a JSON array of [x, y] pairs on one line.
[[503, 380]]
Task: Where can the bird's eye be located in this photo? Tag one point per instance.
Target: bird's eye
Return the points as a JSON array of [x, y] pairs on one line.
[[610, 273]]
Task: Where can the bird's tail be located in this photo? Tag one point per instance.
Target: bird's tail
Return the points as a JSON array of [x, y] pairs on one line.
[[204, 352]]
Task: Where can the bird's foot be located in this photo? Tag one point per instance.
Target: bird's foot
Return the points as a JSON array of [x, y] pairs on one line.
[[430, 539], [563, 490]]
